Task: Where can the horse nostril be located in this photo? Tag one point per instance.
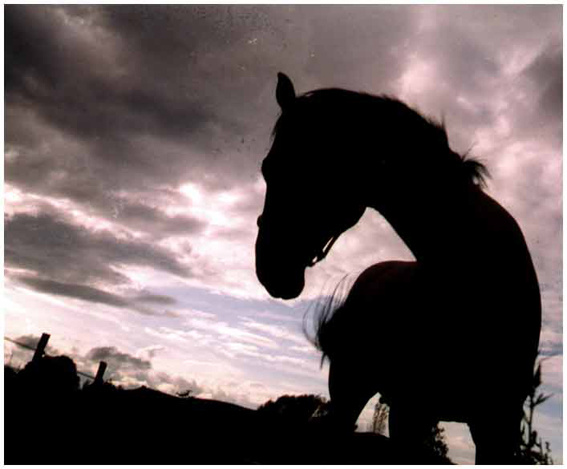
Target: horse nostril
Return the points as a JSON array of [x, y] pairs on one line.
[[259, 221]]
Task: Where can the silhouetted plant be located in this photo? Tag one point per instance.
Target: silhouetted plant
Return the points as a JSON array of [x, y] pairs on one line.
[[52, 375], [296, 409], [10, 376], [437, 444], [532, 449], [379, 418]]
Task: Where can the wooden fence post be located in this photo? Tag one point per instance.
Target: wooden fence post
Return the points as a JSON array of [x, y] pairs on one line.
[[40, 349], [100, 373]]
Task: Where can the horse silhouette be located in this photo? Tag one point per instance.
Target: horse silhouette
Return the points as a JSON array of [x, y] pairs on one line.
[[451, 336]]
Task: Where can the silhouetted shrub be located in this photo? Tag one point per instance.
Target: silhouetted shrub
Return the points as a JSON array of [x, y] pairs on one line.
[[50, 375], [296, 410], [10, 376], [380, 418]]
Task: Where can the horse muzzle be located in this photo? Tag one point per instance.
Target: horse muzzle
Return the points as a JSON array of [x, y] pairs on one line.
[[281, 273], [286, 289]]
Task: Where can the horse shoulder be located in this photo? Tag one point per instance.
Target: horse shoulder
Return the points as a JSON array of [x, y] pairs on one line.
[[385, 276]]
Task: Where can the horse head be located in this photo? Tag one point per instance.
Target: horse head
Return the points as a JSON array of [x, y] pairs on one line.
[[310, 199]]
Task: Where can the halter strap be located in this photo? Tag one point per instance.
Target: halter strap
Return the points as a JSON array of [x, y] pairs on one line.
[[324, 251]]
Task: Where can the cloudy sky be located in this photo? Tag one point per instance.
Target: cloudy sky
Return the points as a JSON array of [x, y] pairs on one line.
[[133, 142]]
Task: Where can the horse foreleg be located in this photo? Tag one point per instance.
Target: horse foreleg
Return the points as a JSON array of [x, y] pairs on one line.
[[410, 427], [349, 394], [496, 436]]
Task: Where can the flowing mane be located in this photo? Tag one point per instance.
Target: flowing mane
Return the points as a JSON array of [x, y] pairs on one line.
[[318, 103]]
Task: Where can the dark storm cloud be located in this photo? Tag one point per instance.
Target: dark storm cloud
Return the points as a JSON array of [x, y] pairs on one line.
[[156, 299], [140, 217], [116, 359], [82, 292], [541, 114], [243, 47], [108, 75], [169, 36], [68, 253], [359, 46], [31, 341], [546, 71], [124, 367], [80, 111], [113, 106], [18, 356], [97, 295], [162, 94], [66, 80]]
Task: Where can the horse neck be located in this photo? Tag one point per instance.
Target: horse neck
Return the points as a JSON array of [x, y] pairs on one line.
[[438, 228]]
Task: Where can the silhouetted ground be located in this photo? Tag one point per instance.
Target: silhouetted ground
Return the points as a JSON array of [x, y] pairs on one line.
[[48, 420]]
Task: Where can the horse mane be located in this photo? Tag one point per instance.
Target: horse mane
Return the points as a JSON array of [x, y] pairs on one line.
[[475, 170], [320, 102], [325, 338]]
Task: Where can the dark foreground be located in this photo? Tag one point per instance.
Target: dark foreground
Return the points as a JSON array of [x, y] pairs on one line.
[[107, 425]]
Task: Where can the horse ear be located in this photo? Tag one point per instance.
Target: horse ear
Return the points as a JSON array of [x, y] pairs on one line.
[[285, 94]]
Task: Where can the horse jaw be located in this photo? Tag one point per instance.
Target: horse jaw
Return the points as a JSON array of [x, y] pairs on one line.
[[281, 258]]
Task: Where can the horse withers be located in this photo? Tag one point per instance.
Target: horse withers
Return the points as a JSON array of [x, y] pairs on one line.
[[450, 336]]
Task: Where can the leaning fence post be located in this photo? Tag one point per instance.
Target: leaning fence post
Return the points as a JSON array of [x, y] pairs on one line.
[[40, 349], [100, 373]]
